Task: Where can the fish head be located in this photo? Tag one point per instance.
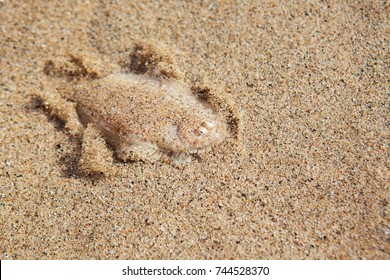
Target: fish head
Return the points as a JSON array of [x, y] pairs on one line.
[[197, 136]]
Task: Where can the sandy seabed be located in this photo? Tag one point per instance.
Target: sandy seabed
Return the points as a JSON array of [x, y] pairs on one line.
[[310, 180]]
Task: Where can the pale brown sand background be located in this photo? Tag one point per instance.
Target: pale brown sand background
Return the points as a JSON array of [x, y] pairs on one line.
[[312, 83]]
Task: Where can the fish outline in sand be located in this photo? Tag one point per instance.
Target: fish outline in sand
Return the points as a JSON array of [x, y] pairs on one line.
[[143, 113]]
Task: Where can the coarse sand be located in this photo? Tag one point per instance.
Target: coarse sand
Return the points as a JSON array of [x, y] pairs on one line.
[[311, 81]]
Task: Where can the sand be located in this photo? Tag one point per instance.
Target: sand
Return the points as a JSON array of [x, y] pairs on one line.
[[309, 181]]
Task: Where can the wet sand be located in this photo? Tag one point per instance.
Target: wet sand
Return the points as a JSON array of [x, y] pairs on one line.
[[308, 177]]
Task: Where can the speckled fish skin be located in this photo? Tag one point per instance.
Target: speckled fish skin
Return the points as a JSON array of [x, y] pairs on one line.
[[131, 109]]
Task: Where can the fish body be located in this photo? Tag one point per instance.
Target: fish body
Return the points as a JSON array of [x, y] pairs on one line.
[[144, 116]]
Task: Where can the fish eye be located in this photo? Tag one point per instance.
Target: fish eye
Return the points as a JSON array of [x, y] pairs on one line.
[[202, 130], [210, 124]]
